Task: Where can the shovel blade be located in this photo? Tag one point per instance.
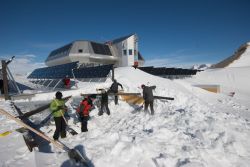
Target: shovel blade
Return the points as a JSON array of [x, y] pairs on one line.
[[72, 131]]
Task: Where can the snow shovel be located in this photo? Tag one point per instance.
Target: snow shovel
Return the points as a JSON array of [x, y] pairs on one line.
[[5, 133], [72, 153], [70, 130]]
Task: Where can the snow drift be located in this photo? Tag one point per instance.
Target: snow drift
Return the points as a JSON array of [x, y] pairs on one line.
[[198, 128], [241, 58]]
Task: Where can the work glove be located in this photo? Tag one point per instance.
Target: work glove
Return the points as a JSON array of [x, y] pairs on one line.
[[62, 108]]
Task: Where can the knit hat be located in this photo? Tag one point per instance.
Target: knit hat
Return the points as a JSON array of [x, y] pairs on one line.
[[59, 95]]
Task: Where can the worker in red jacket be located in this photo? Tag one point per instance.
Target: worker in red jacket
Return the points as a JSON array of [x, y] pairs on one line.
[[66, 82], [83, 112]]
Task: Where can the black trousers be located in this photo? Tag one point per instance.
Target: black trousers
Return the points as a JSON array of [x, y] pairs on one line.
[[60, 128], [116, 97], [104, 106], [84, 121], [151, 104], [116, 100]]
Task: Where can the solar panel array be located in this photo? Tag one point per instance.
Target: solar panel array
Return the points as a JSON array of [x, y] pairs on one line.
[[60, 71], [168, 71], [55, 72]]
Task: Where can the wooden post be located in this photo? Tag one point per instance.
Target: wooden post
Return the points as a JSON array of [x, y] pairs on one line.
[[113, 73], [5, 80]]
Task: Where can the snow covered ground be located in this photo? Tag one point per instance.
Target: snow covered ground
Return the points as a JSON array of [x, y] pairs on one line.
[[198, 128]]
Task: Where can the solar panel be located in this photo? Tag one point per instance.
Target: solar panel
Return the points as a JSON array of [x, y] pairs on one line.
[[167, 71], [61, 50], [101, 49], [93, 72], [60, 71]]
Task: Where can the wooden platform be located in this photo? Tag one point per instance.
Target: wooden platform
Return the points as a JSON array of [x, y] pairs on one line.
[[210, 88], [132, 99]]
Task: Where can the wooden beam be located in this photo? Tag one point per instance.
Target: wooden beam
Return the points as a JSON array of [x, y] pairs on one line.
[[40, 109], [112, 94]]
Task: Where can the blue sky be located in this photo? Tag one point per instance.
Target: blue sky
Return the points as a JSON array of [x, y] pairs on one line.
[[176, 32]]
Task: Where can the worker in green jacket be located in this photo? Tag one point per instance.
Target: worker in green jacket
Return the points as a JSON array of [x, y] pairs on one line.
[[58, 108]]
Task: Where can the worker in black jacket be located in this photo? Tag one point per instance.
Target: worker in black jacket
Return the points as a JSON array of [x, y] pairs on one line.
[[104, 102], [114, 89], [148, 97]]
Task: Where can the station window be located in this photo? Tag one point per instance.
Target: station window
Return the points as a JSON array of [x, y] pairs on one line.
[[124, 52], [130, 51]]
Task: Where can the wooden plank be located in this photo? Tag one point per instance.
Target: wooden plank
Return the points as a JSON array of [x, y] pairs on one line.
[[57, 144], [89, 94], [123, 93], [112, 94], [132, 99], [72, 153], [210, 88]]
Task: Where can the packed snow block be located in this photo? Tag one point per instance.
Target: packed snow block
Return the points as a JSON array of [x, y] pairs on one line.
[[132, 99], [210, 88]]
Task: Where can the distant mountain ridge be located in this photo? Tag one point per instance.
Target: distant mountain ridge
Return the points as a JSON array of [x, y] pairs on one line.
[[201, 66], [240, 58]]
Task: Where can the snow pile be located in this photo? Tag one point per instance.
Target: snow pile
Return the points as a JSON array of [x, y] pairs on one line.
[[244, 60], [230, 80], [198, 128], [233, 79]]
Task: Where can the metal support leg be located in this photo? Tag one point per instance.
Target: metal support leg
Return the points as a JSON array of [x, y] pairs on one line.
[[12, 78], [57, 84], [49, 83]]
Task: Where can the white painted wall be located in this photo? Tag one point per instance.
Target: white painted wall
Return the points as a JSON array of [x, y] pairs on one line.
[[131, 46], [126, 60]]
